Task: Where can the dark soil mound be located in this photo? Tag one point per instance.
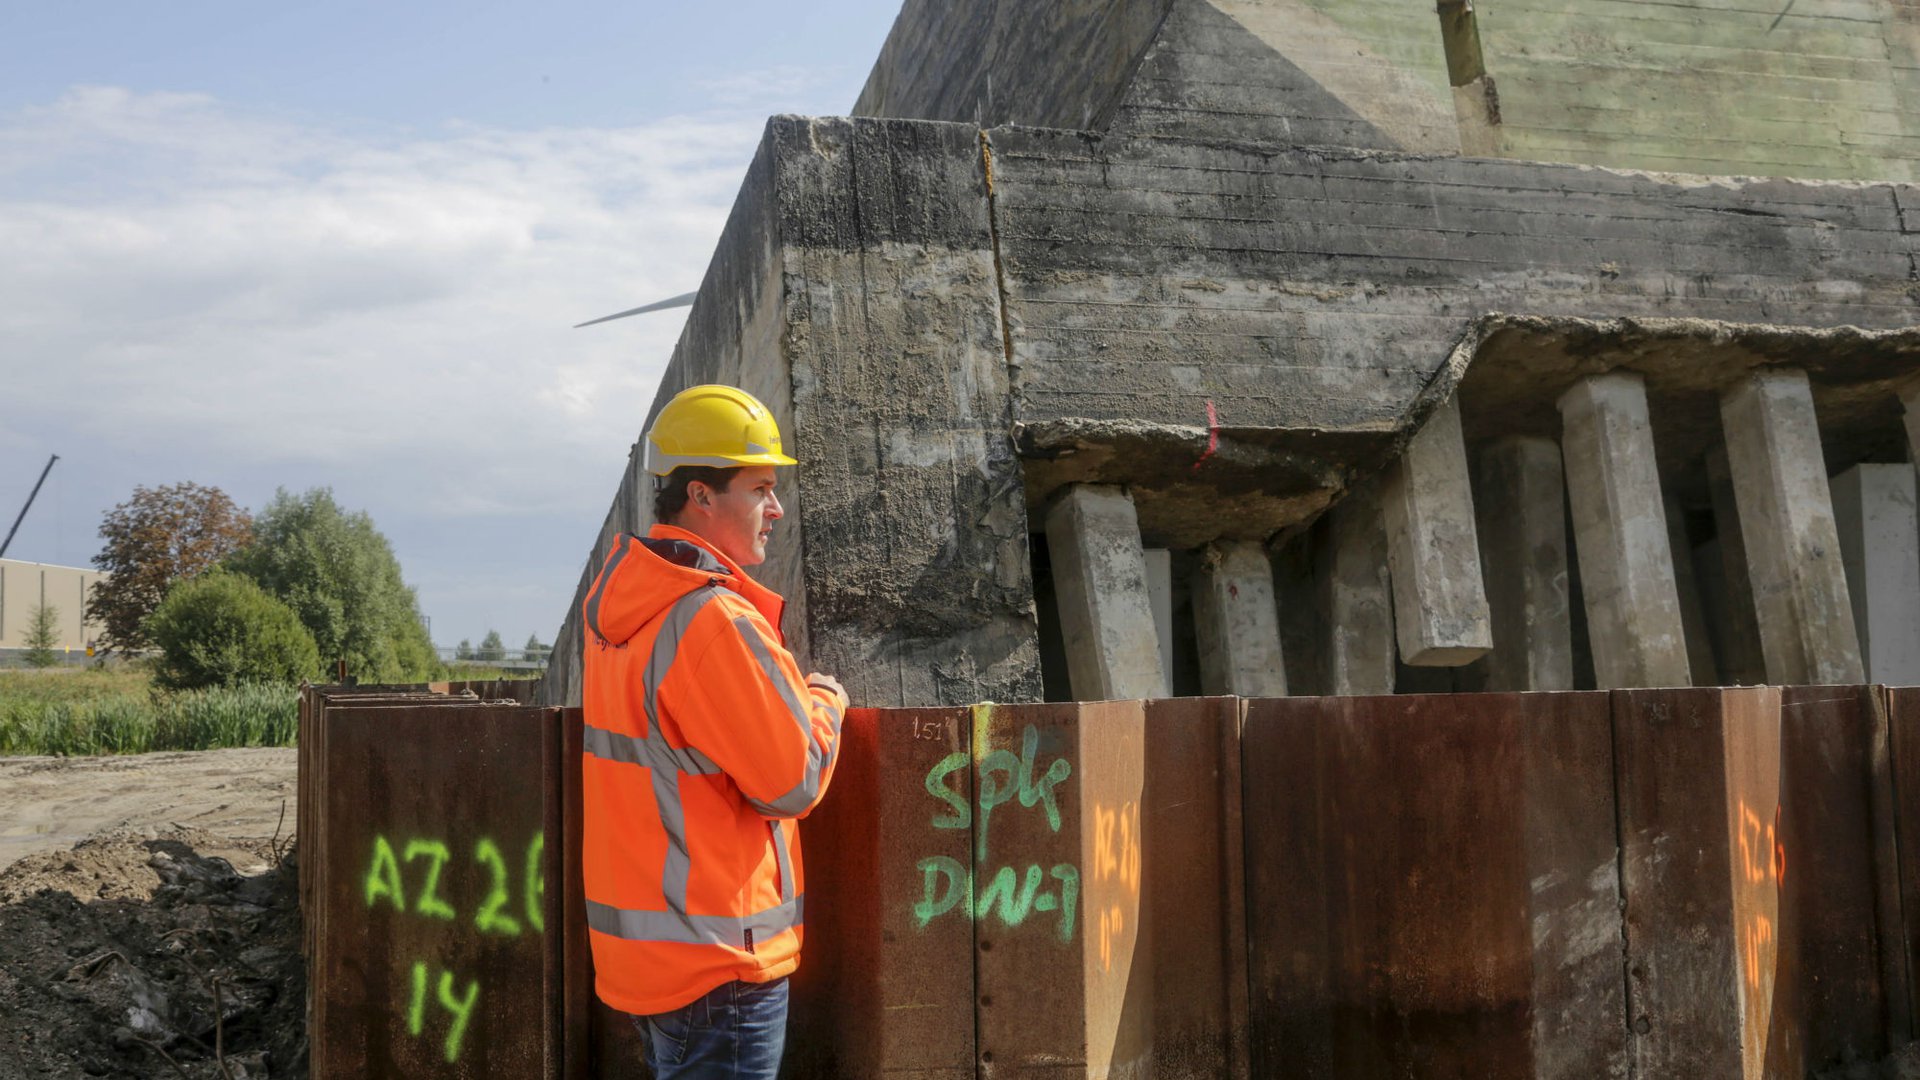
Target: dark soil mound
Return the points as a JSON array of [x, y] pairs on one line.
[[134, 955]]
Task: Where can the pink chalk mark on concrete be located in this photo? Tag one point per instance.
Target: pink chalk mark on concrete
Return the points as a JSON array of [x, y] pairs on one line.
[[1213, 436]]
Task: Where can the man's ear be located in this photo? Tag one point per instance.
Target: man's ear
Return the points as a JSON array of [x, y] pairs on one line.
[[700, 495]]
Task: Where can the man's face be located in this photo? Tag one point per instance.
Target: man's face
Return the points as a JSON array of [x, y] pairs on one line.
[[739, 519]]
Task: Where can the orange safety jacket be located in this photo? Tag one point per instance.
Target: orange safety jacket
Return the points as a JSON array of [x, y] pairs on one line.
[[703, 742]]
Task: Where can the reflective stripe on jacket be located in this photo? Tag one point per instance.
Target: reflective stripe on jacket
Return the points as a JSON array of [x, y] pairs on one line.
[[702, 743]]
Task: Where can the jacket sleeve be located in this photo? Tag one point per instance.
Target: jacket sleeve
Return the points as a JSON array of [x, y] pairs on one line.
[[743, 704]]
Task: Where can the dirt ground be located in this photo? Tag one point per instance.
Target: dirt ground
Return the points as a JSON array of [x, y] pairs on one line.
[[149, 920], [51, 804]]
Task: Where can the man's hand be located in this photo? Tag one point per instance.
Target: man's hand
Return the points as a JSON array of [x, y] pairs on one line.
[[828, 682]]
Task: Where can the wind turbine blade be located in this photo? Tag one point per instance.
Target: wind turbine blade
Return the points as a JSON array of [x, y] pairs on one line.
[[683, 300]]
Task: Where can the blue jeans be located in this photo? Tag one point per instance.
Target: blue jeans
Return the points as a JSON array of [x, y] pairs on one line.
[[737, 1032]]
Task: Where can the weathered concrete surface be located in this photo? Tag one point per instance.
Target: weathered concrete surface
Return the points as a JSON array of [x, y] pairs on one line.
[[1786, 518], [1620, 529], [1428, 873], [853, 291], [1159, 567], [1279, 71], [1873, 512], [916, 579], [1213, 290], [1426, 504], [1356, 593], [1059, 64], [1688, 87], [1235, 332], [1520, 509], [1100, 580], [1237, 622], [1817, 90]]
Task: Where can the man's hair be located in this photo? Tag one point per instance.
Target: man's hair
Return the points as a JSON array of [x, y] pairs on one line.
[[670, 491]]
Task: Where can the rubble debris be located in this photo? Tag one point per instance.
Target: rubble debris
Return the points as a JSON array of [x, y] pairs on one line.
[[138, 955]]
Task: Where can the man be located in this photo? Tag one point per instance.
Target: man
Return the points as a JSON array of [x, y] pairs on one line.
[[703, 744]]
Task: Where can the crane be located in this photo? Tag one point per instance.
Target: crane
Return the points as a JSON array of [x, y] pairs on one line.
[[23, 510]]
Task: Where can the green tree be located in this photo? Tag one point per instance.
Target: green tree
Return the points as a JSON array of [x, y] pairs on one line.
[[533, 650], [464, 650], [221, 629], [339, 575], [43, 636], [155, 538], [491, 647]]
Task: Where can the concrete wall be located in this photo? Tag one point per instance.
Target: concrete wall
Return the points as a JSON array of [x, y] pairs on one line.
[[24, 586], [1059, 64], [1814, 89], [853, 291], [1234, 332], [1819, 88]]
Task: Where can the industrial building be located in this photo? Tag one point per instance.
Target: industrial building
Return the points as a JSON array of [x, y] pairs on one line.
[[26, 586]]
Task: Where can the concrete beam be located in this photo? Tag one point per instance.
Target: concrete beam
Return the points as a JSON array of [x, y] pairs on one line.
[[1237, 623], [1786, 517], [1620, 531], [1873, 509], [1439, 601], [1356, 593], [1520, 506], [1100, 577]]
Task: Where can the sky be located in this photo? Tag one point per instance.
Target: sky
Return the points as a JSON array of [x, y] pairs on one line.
[[289, 246]]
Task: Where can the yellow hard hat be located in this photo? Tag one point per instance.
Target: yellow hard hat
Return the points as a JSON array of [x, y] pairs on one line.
[[722, 426]]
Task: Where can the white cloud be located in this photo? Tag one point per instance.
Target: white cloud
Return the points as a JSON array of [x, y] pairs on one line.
[[389, 310]]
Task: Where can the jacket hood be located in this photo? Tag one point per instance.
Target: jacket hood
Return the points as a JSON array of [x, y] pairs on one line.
[[643, 577]]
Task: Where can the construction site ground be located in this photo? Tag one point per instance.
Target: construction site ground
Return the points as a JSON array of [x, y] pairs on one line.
[[149, 921]]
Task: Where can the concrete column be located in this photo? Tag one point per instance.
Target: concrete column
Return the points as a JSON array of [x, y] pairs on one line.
[[1873, 509], [1356, 596], [1160, 599], [1237, 623], [1693, 614], [1100, 576], [1439, 602], [1738, 628], [1620, 532], [1786, 518], [1520, 503]]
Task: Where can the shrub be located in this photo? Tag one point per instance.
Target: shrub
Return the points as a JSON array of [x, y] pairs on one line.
[[492, 649], [221, 629], [43, 633]]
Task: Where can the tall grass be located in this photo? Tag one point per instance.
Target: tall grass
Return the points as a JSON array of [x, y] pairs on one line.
[[118, 713]]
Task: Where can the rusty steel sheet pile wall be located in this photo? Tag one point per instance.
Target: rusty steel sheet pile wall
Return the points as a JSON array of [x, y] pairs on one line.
[[1699, 882], [435, 944], [1431, 886]]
